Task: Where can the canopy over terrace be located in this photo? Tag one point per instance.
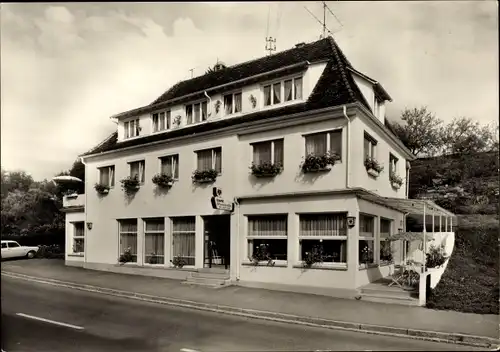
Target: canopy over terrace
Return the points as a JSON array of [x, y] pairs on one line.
[[422, 207]]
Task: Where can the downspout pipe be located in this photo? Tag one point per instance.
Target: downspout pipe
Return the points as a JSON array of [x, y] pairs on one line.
[[85, 212], [408, 167], [237, 203], [210, 104], [348, 156]]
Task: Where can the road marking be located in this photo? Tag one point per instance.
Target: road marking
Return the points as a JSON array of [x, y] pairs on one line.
[[50, 321], [188, 350]]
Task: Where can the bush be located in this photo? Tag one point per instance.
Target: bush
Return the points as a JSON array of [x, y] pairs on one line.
[[436, 257], [50, 252]]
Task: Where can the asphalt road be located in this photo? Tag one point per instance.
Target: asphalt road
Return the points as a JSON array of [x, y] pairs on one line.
[[105, 323]]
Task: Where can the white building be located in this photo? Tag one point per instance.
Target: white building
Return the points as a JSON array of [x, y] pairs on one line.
[[308, 100]]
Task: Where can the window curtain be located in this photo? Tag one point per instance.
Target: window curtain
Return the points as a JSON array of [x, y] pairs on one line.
[[168, 123], [126, 129], [298, 88], [134, 170], [204, 111], [288, 90], [323, 225], [155, 240], [277, 93], [129, 240], [267, 226], [189, 114], [278, 152], [162, 121], [79, 229], [141, 171], [197, 113], [237, 102], [267, 95], [366, 145], [184, 239], [262, 153], [111, 181], [366, 228], [104, 176], [204, 159], [155, 122], [137, 127], [336, 142], [217, 159], [175, 167], [228, 104], [316, 144]]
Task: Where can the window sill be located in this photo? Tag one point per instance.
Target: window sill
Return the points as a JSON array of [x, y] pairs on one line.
[[367, 266], [278, 264], [383, 263], [323, 266], [76, 255]]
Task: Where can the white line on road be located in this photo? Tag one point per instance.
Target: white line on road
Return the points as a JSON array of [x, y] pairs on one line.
[[50, 321], [188, 350]]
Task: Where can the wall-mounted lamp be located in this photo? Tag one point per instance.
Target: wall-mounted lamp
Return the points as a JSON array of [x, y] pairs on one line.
[[89, 225], [351, 221]]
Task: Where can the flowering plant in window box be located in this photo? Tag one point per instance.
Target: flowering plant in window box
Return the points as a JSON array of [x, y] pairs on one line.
[[163, 180], [315, 163], [130, 185], [266, 169], [436, 257], [261, 254], [313, 257], [367, 255], [396, 180], [204, 176], [101, 189], [178, 262], [126, 256], [373, 167], [154, 259]]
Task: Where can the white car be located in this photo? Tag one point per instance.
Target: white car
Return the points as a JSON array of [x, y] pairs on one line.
[[12, 249]]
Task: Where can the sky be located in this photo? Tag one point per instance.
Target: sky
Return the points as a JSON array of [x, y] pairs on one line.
[[67, 67]]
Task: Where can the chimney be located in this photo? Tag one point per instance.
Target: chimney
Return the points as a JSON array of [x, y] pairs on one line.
[[299, 45], [219, 66]]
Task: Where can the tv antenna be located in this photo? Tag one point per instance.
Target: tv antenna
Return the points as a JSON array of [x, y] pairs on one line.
[[270, 41], [192, 70], [323, 23]]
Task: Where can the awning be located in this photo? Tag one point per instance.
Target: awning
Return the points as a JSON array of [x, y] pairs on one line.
[[410, 236], [408, 206]]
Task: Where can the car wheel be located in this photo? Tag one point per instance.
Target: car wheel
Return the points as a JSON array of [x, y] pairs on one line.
[[30, 255]]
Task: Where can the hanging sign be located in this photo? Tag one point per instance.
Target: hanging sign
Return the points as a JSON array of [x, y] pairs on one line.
[[218, 202]]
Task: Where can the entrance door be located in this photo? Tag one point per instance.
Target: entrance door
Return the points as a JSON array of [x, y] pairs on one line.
[[217, 249]]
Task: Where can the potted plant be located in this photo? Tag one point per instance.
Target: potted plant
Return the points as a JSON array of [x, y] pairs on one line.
[[366, 255], [178, 262], [154, 259], [385, 251], [373, 167], [253, 101], [204, 176], [266, 169], [316, 163], [436, 257], [163, 180], [217, 106], [101, 189], [126, 256], [396, 180], [260, 254], [130, 184], [313, 257]]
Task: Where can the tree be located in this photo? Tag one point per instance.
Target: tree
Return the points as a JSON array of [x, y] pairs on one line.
[[465, 136], [15, 180], [421, 131]]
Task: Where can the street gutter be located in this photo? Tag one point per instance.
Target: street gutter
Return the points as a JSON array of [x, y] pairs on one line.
[[461, 339]]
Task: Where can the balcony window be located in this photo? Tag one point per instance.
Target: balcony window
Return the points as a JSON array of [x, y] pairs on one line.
[[161, 121], [232, 103], [107, 176], [131, 128], [319, 143], [210, 159], [137, 170], [170, 165], [268, 152]]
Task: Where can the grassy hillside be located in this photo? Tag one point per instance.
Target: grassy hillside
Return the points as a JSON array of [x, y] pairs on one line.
[[469, 187]]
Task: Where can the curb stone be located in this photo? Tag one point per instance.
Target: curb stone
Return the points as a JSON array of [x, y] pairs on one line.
[[462, 339]]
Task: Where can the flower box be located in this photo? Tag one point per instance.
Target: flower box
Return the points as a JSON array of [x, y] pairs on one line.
[[101, 189], [372, 172], [318, 163], [204, 176], [266, 169], [396, 180], [130, 185], [395, 185], [162, 180]]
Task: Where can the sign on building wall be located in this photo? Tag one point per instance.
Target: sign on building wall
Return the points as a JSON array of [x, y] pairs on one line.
[[218, 202]]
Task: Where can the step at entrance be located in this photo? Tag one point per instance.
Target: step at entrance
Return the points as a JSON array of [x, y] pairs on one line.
[[382, 293], [209, 279]]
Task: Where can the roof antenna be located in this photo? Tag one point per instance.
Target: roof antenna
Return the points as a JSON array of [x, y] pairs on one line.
[[191, 69], [323, 23], [270, 41]]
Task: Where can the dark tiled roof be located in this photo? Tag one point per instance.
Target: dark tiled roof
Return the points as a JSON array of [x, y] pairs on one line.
[[335, 87]]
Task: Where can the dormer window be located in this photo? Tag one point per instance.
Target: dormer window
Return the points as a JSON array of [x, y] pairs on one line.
[[196, 112], [232, 103], [161, 121], [284, 91], [132, 128]]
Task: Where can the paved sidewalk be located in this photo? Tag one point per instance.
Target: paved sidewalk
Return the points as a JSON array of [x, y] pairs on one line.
[[338, 309]]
